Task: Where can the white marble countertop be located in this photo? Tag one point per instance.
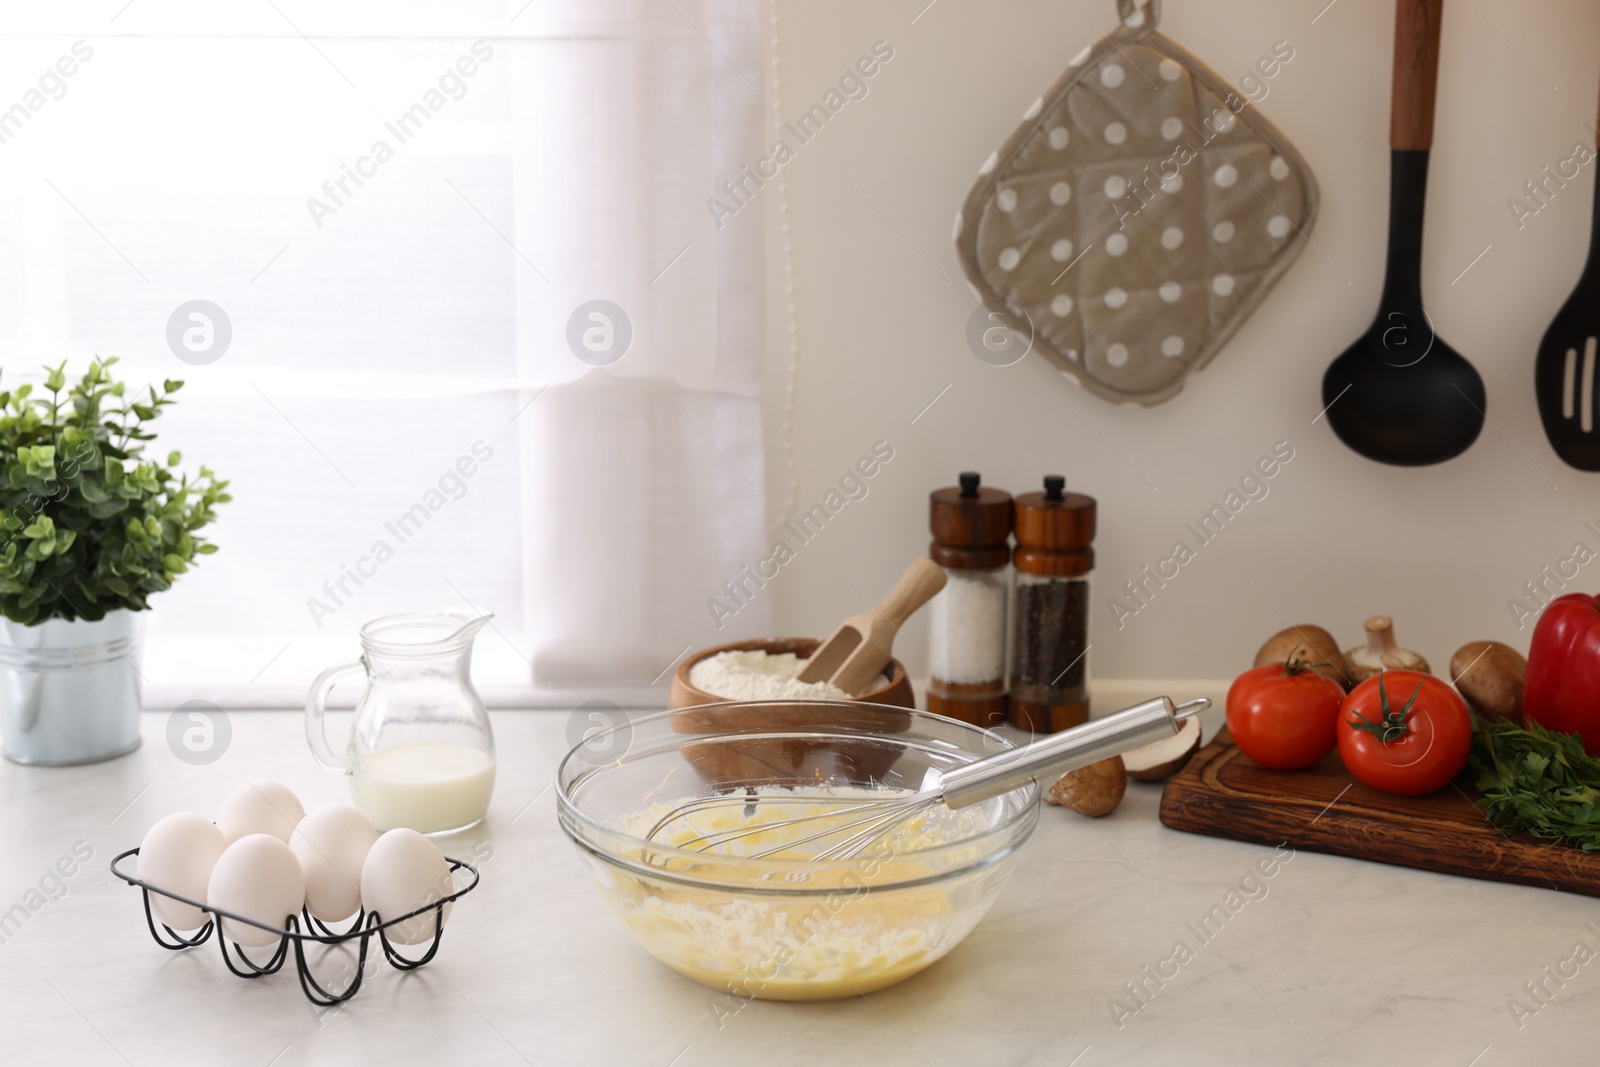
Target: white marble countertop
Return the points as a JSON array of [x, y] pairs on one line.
[[1333, 961]]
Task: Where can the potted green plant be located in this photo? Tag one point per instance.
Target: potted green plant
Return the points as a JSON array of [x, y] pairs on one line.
[[89, 529]]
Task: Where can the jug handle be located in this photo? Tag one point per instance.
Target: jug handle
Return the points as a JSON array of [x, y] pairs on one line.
[[316, 705]]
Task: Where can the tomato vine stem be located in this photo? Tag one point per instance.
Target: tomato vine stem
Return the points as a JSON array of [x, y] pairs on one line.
[[1394, 725]]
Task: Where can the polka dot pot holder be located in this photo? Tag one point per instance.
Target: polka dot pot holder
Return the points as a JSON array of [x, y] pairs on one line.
[[1137, 217]]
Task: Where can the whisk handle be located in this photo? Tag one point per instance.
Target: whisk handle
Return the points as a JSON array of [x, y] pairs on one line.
[[1057, 754]]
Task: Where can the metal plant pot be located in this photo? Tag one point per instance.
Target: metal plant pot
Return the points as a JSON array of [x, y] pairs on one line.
[[69, 690]]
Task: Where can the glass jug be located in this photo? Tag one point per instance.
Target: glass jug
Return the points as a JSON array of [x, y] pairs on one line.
[[421, 753]]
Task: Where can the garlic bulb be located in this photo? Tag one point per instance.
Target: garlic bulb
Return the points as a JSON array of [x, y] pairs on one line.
[[1381, 653]]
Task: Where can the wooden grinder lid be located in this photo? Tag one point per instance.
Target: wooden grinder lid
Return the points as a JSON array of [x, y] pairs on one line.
[[1055, 531], [971, 524]]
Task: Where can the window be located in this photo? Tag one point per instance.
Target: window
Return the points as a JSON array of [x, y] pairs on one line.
[[401, 217]]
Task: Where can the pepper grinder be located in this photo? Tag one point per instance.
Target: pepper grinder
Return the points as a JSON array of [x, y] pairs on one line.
[[1050, 636], [971, 526]]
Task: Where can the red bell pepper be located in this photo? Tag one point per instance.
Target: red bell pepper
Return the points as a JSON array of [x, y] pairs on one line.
[[1562, 691]]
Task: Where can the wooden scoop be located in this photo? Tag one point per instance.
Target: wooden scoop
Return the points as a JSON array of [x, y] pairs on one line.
[[861, 646]]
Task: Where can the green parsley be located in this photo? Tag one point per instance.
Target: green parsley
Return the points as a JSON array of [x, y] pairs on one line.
[[1537, 781]]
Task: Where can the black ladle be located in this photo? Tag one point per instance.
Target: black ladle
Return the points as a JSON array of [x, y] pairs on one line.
[[1401, 395]]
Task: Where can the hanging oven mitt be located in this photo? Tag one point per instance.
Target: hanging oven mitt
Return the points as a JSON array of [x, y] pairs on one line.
[[1137, 216]]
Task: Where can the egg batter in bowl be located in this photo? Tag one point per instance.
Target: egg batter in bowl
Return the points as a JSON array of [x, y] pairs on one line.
[[699, 896]]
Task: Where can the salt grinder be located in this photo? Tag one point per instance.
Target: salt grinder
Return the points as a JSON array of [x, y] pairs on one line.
[[971, 526]]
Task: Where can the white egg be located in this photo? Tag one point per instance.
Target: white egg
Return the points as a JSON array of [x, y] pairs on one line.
[[331, 844], [178, 854], [260, 807], [405, 871], [259, 878]]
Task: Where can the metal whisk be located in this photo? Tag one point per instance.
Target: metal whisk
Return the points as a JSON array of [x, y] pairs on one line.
[[858, 822]]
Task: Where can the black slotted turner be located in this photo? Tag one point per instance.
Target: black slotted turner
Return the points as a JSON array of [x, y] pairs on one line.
[[1564, 374]]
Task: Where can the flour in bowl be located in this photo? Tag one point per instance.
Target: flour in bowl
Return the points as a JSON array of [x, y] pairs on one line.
[[758, 675]]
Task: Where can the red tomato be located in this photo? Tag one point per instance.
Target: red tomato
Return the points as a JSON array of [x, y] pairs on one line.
[[1404, 732], [1284, 715]]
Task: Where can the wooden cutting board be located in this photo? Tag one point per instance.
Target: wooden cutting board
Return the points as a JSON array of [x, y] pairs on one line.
[[1223, 793]]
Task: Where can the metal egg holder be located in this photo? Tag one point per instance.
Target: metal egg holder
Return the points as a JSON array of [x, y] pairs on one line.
[[317, 932]]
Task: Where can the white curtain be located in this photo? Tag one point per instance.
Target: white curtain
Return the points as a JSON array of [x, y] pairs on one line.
[[399, 207]]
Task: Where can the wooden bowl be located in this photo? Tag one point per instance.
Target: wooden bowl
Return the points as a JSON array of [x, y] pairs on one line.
[[897, 693], [787, 760]]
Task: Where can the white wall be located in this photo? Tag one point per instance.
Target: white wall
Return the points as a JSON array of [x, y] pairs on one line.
[[1339, 538]]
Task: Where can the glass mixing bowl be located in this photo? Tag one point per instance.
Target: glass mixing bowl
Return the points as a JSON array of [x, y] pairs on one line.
[[789, 926]]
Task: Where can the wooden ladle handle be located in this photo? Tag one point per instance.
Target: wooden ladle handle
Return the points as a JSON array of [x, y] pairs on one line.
[[1416, 73]]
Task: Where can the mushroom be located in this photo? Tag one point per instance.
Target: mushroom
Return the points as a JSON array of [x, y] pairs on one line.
[[1094, 790], [1490, 675], [1160, 760], [1311, 643], [1380, 653]]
